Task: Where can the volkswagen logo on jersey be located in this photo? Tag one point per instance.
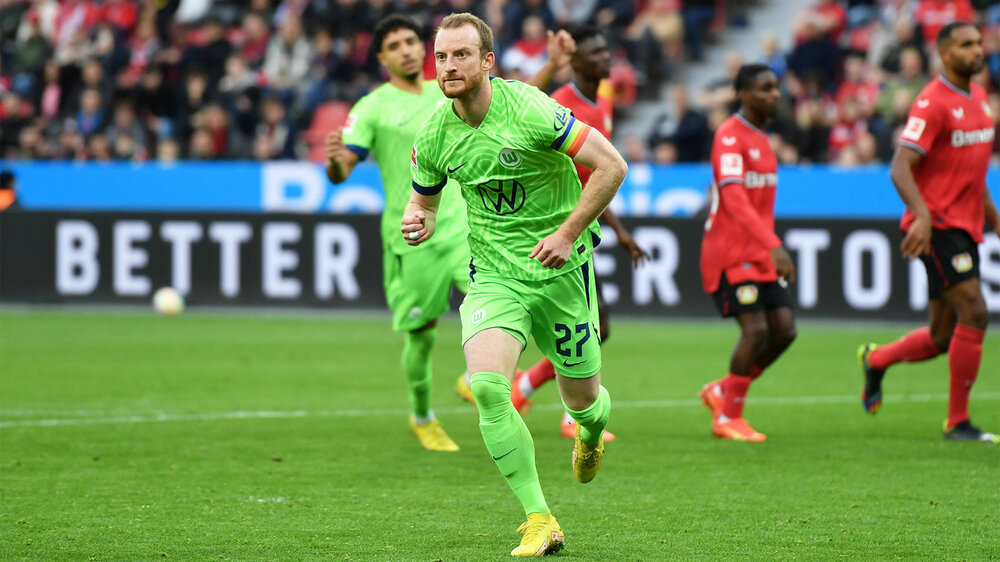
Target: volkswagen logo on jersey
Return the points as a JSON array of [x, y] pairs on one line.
[[502, 197], [509, 158]]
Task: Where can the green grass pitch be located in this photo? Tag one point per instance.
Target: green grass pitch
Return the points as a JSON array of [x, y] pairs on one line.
[[125, 436]]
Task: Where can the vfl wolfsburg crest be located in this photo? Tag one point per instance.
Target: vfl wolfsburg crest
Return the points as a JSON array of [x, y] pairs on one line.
[[509, 158], [502, 197]]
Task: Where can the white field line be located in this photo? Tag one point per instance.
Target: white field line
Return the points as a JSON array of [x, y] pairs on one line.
[[266, 414]]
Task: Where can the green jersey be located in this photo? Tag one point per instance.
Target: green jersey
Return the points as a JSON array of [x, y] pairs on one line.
[[384, 123], [515, 172]]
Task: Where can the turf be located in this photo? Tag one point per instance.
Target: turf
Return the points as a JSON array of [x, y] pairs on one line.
[[242, 437]]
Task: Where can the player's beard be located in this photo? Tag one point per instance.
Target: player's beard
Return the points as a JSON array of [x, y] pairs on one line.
[[471, 83], [413, 77]]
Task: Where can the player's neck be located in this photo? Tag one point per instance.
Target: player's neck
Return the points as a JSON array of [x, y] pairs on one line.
[[473, 107], [758, 121], [961, 82], [587, 87], [414, 85]]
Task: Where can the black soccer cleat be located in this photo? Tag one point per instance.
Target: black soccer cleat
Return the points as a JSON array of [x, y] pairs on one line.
[[871, 396], [965, 431]]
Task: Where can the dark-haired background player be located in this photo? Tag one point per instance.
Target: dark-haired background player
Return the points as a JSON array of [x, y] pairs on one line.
[[743, 264], [939, 170]]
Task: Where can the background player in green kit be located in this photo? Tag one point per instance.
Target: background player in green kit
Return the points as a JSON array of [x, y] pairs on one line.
[[417, 280], [509, 147]]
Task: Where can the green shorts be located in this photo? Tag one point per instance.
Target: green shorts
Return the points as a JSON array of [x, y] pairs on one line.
[[561, 314], [418, 282]]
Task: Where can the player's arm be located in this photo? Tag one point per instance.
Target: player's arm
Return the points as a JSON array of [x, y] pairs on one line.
[[918, 238], [420, 217], [992, 215], [625, 240], [609, 169], [340, 160], [561, 48], [736, 205]]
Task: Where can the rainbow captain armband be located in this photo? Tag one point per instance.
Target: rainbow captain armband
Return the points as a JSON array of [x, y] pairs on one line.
[[572, 138]]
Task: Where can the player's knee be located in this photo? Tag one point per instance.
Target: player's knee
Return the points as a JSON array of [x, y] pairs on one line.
[[973, 313], [756, 334], [489, 394], [784, 335]]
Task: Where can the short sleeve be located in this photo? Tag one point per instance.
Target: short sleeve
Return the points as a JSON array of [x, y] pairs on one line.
[[922, 125], [727, 160], [551, 124], [359, 130], [427, 179]]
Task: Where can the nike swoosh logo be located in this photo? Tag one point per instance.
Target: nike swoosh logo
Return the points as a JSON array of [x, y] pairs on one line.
[[505, 454], [565, 364], [455, 169]]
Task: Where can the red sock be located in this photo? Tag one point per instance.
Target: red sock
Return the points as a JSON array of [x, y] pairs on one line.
[[755, 372], [964, 356], [913, 347], [541, 372], [734, 394]]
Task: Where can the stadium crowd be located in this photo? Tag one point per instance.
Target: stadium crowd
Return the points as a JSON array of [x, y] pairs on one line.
[[100, 80]]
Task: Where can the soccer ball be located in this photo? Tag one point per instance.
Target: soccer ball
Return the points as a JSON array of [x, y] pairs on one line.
[[168, 302]]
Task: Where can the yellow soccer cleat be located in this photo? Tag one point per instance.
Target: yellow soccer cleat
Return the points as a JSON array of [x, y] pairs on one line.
[[542, 536], [432, 436], [586, 459], [463, 390]]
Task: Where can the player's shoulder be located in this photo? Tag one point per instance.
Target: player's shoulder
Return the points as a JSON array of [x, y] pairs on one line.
[[730, 132], [563, 94]]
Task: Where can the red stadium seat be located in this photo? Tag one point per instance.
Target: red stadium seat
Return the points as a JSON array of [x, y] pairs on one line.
[[327, 117]]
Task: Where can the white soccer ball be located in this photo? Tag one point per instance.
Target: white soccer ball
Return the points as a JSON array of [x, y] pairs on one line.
[[168, 302]]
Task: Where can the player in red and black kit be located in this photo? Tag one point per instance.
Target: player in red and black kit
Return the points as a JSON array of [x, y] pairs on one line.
[[939, 171], [586, 98], [743, 264]]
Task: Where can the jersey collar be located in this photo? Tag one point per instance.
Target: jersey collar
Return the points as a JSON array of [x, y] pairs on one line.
[[749, 125], [955, 88], [580, 95]]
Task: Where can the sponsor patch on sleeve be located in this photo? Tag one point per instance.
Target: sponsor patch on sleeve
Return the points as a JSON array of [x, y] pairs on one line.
[[413, 159], [914, 128], [731, 164], [349, 125]]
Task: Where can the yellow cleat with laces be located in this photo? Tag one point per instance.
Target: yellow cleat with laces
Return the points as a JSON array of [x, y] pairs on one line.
[[542, 536]]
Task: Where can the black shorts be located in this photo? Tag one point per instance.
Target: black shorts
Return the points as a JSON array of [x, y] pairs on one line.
[[733, 300], [954, 258]]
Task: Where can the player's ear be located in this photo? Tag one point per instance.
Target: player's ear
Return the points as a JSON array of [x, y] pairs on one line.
[[488, 61]]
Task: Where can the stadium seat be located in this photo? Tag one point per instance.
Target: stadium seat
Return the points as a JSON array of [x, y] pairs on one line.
[[327, 117]]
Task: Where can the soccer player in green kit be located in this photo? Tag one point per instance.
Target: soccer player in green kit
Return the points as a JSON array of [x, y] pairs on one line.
[[511, 150], [417, 280]]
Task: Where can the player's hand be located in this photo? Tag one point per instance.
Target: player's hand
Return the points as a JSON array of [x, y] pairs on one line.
[[638, 255], [561, 47], [917, 241], [552, 251], [417, 223], [334, 145], [783, 264]]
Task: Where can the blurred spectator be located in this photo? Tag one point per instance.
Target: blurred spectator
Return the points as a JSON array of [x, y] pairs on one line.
[[932, 15], [773, 55], [124, 124], [167, 150], [287, 60], [657, 35], [665, 152], [208, 51], [193, 99], [848, 128], [226, 140], [50, 94], [253, 40], [635, 150], [275, 136], [904, 38], [816, 53], [572, 12], [909, 81], [123, 15], [99, 149], [90, 116], [142, 48], [824, 17], [858, 84], [155, 103], [685, 128], [528, 54], [698, 14]]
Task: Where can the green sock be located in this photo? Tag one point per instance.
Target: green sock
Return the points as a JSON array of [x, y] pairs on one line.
[[507, 439], [417, 367], [594, 418]]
